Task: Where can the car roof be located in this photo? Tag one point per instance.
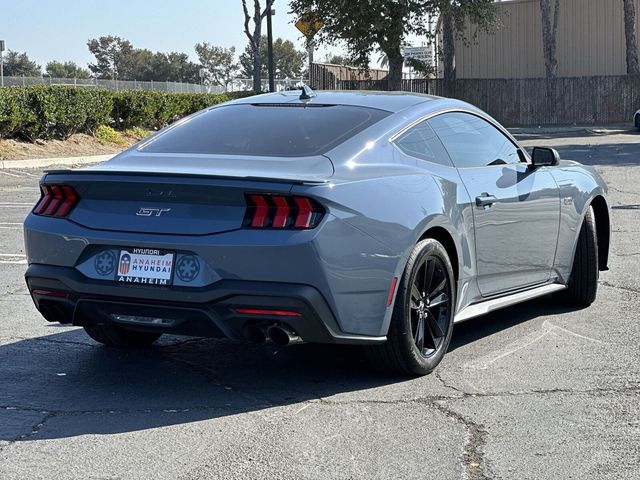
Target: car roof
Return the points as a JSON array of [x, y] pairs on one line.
[[389, 101]]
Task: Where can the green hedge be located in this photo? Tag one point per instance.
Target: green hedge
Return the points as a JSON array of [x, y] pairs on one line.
[[45, 112]]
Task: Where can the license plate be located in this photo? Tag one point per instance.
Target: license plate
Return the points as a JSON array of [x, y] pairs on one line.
[[145, 266]]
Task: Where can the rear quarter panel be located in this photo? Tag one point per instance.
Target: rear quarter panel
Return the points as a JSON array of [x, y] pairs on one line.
[[393, 203]]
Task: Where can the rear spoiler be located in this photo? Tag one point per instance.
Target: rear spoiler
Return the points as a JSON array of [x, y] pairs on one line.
[[68, 172]]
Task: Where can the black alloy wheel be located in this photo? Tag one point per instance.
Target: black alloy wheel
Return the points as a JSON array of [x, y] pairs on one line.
[[430, 306], [422, 320]]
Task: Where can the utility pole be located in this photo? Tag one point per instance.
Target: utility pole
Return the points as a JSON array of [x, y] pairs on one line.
[[272, 84], [1, 63], [310, 56]]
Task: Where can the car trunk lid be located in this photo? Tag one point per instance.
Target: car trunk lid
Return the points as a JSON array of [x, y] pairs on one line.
[[175, 204]]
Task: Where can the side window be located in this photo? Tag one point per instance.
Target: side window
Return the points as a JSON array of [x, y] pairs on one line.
[[422, 142], [472, 141]]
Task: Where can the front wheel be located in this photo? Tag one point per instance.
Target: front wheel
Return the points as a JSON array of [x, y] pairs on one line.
[[583, 282], [116, 336], [422, 319]]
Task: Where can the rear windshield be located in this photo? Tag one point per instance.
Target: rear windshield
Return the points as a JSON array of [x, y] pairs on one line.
[[280, 130]]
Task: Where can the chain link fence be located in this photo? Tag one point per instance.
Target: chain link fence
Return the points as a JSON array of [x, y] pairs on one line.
[[177, 87], [236, 85]]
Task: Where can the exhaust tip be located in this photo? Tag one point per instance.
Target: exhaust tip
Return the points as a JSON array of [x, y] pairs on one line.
[[254, 334], [281, 336]]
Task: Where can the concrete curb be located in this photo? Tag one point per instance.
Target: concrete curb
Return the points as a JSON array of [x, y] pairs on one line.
[[609, 130], [46, 162]]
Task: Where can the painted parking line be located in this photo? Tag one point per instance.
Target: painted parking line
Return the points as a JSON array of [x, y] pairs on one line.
[[22, 173], [9, 174], [13, 204], [13, 258]]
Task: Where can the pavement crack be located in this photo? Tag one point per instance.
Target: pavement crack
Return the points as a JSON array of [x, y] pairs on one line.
[[213, 377], [67, 342], [627, 289], [627, 192], [473, 461], [448, 385], [34, 429]]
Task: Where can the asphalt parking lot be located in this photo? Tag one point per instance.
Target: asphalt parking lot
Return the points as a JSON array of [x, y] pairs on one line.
[[531, 392]]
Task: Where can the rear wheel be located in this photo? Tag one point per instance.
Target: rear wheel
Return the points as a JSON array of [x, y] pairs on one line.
[[583, 282], [422, 320], [116, 336]]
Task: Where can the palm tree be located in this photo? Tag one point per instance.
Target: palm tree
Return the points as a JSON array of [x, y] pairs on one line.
[[630, 36]]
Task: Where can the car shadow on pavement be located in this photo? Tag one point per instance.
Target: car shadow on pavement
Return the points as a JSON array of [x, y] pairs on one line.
[[65, 385], [494, 322]]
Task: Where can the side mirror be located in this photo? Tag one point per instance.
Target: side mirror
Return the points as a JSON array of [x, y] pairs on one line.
[[544, 157]]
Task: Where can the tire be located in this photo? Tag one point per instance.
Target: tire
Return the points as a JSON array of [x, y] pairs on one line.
[[637, 122], [583, 282], [403, 353], [116, 336]]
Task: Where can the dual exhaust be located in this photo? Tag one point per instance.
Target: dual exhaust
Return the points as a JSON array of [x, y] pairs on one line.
[[278, 334]]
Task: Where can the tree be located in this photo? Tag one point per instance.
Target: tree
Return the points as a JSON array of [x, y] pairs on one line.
[[66, 70], [339, 60], [255, 37], [18, 64], [218, 61], [117, 58], [369, 26], [420, 68], [549, 36], [112, 56], [287, 61], [630, 36], [182, 69]]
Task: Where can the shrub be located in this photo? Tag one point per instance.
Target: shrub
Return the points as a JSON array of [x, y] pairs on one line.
[[106, 134], [137, 133], [44, 111], [10, 114]]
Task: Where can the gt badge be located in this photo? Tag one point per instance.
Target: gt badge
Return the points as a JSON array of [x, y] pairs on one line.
[[151, 212]]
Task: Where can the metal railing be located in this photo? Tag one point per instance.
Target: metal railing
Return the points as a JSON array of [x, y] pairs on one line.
[[238, 84], [178, 87]]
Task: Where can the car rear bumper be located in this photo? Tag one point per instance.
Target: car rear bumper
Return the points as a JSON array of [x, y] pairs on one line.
[[62, 294]]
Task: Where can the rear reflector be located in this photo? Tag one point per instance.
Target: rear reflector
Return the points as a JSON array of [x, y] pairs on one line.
[[262, 312], [392, 291], [56, 201], [49, 293], [282, 212]]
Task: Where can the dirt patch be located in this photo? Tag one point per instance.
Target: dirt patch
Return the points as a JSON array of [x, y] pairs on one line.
[[78, 145]]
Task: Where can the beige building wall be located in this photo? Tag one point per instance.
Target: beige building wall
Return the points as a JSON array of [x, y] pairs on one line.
[[590, 41]]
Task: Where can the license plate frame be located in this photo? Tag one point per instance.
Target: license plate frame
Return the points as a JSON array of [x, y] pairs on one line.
[[152, 263]]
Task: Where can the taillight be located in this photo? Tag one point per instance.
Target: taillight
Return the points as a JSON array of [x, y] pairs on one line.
[[56, 201], [282, 212]]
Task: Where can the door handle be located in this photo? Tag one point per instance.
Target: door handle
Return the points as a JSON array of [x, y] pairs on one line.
[[485, 200]]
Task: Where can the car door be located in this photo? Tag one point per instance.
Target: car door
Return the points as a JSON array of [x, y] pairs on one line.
[[516, 209]]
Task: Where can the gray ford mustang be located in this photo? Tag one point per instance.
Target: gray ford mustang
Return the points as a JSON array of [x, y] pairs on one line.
[[378, 219]]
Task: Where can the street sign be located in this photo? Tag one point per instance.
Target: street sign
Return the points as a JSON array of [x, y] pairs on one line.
[[423, 54], [1, 45], [309, 24]]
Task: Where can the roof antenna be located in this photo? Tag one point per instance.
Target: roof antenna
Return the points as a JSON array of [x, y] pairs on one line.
[[307, 93]]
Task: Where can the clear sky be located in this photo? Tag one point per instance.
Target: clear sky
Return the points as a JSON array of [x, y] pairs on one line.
[[59, 29]]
